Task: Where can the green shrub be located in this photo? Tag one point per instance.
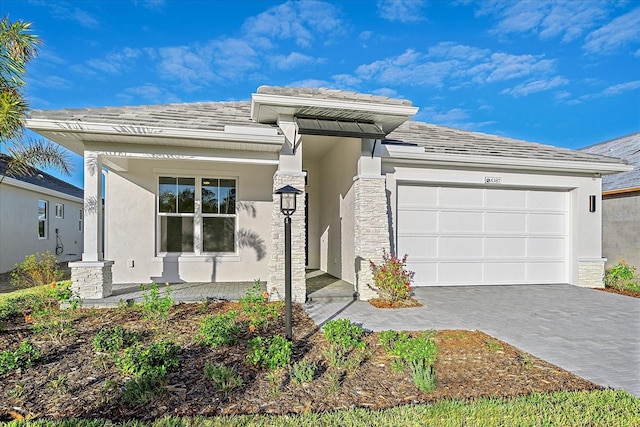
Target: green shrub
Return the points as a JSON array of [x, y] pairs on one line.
[[36, 269], [343, 333], [23, 357], [224, 378], [303, 372], [419, 353], [143, 388], [256, 306], [159, 358], [622, 276], [111, 339], [154, 306], [272, 353], [391, 279], [219, 330], [424, 376]]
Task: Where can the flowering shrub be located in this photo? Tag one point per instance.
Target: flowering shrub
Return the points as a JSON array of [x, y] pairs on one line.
[[622, 276], [391, 279]]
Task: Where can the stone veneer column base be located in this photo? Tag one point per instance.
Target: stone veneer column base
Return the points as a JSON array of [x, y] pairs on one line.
[[591, 272], [91, 279], [371, 230], [277, 252]]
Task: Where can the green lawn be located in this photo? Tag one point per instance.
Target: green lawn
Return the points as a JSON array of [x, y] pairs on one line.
[[594, 408]]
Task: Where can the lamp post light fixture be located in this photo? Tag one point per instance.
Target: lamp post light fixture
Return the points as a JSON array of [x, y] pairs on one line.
[[288, 195]]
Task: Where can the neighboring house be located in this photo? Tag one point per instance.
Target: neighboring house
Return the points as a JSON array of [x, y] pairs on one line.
[[190, 194], [38, 213], [621, 202]]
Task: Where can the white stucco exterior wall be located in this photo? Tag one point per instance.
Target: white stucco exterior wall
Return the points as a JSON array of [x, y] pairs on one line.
[[131, 224], [337, 170], [19, 224]]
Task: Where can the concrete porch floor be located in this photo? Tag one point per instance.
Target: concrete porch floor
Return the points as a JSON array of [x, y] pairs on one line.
[[320, 286]]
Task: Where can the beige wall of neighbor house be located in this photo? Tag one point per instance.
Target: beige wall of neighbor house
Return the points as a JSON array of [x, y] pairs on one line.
[[562, 246], [620, 219], [131, 225], [19, 223]]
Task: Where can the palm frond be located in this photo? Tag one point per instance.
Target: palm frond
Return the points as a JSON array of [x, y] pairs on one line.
[[13, 109], [37, 153]]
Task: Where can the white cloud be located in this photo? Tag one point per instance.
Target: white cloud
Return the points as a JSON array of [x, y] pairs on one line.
[[620, 88], [401, 10], [149, 93], [301, 21], [545, 18], [67, 12], [533, 86], [385, 91], [618, 33], [455, 118], [293, 60], [312, 83]]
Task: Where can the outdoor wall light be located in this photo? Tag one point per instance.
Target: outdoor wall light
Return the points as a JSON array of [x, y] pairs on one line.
[[592, 203], [288, 195]]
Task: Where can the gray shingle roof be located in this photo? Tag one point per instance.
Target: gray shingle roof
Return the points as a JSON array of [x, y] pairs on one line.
[[215, 115], [200, 115], [626, 147], [444, 140], [340, 95], [43, 179]]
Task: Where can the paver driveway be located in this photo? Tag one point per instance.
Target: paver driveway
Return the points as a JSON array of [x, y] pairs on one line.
[[591, 333]]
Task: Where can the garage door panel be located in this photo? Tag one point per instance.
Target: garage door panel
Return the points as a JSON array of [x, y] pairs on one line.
[[505, 222], [542, 247], [460, 221], [422, 246], [484, 235], [457, 273], [509, 199], [460, 247], [418, 221], [505, 247], [453, 197], [547, 200], [419, 196], [545, 272], [505, 272], [546, 223]]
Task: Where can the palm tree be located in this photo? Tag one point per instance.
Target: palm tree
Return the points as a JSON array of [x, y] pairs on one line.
[[18, 46]]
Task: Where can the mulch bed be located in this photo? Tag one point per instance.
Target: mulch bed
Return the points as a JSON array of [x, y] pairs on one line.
[[73, 381], [624, 292]]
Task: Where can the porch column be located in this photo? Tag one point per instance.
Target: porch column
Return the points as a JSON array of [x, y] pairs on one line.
[[371, 217], [289, 173], [91, 277]]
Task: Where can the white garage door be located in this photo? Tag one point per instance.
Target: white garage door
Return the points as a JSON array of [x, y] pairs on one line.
[[472, 236]]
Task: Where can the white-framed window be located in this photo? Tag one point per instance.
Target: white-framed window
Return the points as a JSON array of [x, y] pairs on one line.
[[196, 214], [59, 210], [43, 223], [80, 220]]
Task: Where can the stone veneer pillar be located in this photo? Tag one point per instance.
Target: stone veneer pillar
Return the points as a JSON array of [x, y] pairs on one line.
[[371, 230], [591, 272], [277, 252], [91, 279]]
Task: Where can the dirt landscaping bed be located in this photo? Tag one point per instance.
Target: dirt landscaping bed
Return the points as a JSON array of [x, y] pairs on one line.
[[72, 380]]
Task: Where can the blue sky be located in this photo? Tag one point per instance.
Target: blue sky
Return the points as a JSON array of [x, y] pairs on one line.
[[564, 73]]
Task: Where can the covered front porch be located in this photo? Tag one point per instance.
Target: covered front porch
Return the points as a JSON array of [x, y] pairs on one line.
[[320, 287]]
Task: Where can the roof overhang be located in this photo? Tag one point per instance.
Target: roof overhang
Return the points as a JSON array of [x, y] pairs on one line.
[[340, 128], [415, 155], [267, 108], [8, 180], [74, 134]]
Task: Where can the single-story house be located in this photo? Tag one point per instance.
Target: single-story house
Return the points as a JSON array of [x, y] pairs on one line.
[[190, 194], [38, 213], [621, 202]]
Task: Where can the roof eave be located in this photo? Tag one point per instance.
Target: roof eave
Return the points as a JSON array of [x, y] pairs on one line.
[[72, 134], [496, 162]]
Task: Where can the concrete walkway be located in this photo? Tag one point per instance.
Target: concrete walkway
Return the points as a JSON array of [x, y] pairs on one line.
[[591, 333]]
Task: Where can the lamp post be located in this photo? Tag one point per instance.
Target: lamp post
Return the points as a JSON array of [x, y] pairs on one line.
[[288, 195]]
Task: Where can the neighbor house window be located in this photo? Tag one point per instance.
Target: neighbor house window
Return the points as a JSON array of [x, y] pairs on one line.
[[59, 210], [43, 226], [80, 220], [197, 215]]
